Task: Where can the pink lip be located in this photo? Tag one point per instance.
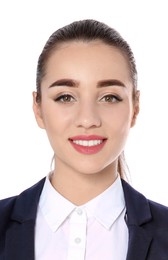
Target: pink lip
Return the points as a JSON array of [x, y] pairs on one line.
[[88, 137], [88, 149]]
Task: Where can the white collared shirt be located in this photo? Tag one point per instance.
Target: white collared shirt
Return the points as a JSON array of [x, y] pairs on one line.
[[93, 231]]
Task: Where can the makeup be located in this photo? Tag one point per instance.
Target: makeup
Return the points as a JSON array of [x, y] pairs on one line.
[[85, 144]]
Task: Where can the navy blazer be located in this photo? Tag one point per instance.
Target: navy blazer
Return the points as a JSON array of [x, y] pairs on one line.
[[147, 223]]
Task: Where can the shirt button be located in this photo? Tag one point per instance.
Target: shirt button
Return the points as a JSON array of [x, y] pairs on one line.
[[79, 211], [77, 240]]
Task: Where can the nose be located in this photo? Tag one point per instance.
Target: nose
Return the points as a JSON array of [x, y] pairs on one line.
[[88, 116]]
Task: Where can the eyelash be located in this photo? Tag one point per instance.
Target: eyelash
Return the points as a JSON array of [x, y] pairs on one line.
[[67, 98], [111, 97], [64, 98]]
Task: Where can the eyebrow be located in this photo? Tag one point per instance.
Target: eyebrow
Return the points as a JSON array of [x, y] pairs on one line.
[[110, 82], [65, 83], [75, 84]]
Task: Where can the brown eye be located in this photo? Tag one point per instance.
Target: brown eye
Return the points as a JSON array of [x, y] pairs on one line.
[[111, 99], [66, 98]]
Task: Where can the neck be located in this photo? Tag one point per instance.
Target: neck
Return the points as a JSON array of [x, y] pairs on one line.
[[78, 187]]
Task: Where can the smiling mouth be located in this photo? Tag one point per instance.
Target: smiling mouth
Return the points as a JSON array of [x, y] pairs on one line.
[[88, 144]]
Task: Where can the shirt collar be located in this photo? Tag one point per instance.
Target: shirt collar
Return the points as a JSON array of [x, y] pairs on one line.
[[50, 204], [105, 208]]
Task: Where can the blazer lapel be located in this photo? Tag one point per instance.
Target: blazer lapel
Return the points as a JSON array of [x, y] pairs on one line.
[[137, 218], [139, 243], [20, 234]]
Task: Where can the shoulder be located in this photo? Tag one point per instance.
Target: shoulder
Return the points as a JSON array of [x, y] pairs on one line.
[[21, 205], [6, 206], [159, 212], [141, 210]]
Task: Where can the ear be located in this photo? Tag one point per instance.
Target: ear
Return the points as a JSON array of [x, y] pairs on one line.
[[135, 108], [37, 111]]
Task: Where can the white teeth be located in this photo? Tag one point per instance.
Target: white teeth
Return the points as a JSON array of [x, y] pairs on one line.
[[88, 142]]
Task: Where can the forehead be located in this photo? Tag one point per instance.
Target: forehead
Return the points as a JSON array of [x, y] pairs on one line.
[[95, 56], [87, 48]]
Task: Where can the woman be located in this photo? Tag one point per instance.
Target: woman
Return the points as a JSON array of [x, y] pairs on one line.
[[87, 101]]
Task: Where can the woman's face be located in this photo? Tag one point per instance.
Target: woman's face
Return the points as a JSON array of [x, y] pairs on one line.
[[87, 107]]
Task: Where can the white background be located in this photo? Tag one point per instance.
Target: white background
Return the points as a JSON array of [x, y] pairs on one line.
[[25, 26]]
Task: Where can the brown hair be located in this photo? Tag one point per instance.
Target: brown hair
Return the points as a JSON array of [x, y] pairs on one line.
[[87, 30]]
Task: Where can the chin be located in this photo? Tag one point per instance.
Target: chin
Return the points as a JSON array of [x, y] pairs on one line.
[[93, 170]]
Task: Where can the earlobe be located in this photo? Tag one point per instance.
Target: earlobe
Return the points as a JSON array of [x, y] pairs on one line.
[[136, 108], [37, 111]]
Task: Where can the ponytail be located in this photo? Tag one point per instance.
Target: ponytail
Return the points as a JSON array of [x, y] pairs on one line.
[[122, 167]]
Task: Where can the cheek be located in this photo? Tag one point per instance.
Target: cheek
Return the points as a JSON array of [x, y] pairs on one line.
[[55, 118], [118, 117]]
